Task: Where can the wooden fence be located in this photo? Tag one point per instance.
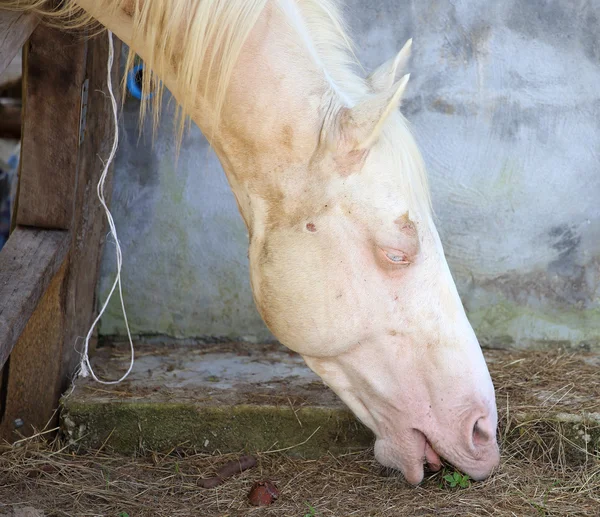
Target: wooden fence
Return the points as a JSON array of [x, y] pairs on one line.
[[49, 266]]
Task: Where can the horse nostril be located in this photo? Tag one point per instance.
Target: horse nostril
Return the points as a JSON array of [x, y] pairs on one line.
[[482, 432]]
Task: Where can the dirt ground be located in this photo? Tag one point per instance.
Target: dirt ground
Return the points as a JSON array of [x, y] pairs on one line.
[[58, 483], [538, 475]]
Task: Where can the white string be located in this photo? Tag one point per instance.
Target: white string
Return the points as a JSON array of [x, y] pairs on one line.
[[86, 367]]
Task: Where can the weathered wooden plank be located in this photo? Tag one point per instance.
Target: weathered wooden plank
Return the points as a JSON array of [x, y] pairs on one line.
[[47, 350], [89, 225], [33, 369], [55, 64], [28, 262], [15, 28]]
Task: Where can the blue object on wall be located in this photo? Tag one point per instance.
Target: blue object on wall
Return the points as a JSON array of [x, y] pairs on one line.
[[134, 82]]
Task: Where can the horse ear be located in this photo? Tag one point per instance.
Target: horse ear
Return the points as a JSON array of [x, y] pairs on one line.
[[383, 77], [359, 127]]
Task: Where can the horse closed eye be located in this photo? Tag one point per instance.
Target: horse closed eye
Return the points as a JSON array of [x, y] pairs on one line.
[[397, 258]]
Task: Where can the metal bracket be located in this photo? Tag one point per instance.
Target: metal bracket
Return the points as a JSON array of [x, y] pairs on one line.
[[83, 112]]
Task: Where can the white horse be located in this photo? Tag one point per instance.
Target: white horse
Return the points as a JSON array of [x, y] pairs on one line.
[[347, 268]]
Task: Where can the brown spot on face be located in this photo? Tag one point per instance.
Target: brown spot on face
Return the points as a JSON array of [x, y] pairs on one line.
[[311, 227], [409, 244], [350, 162], [406, 225], [128, 8], [392, 333], [287, 136], [263, 257]]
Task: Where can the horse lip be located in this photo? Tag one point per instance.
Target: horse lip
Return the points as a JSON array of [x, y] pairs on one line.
[[432, 458]]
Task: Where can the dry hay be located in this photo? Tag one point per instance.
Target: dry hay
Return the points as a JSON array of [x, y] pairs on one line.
[[568, 381], [59, 483], [535, 477]]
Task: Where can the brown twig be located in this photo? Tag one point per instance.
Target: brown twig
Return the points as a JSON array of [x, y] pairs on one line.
[[231, 468]]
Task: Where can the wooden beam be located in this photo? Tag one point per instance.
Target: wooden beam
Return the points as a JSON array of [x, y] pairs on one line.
[[28, 262], [45, 358], [89, 224], [30, 378], [15, 28], [54, 84]]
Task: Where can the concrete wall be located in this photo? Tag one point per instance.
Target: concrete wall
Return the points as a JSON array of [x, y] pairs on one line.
[[504, 100]]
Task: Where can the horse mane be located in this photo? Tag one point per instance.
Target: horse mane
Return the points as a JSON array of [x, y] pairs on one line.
[[210, 38], [210, 35]]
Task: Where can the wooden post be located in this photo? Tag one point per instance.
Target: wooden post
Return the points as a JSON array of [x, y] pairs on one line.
[[67, 129]]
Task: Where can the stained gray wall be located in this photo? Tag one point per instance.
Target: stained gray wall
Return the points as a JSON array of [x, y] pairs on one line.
[[504, 101]]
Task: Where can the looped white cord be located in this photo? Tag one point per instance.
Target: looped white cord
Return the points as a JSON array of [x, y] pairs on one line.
[[86, 367]]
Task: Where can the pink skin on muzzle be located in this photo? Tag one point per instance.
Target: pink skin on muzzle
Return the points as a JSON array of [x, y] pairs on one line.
[[419, 418]]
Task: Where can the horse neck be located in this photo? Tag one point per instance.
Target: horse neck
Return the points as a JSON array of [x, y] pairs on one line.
[[276, 103], [272, 120], [274, 109]]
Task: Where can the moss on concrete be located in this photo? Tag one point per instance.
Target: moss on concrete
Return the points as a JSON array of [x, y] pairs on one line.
[[128, 427], [509, 324], [259, 398]]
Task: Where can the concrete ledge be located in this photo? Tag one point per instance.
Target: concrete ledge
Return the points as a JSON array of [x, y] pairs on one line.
[[233, 397], [129, 427]]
